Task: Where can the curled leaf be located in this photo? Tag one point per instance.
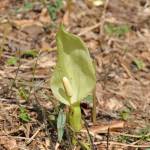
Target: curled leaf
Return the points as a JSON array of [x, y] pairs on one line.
[[75, 64], [61, 120]]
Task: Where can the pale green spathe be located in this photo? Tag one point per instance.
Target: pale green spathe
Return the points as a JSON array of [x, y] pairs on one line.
[[73, 62]]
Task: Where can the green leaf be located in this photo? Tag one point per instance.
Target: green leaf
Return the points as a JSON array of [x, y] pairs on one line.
[[89, 99], [75, 64], [139, 64], [85, 146], [61, 120], [54, 8], [12, 61], [28, 6], [29, 53], [144, 133], [123, 139], [23, 115], [23, 93], [125, 114], [114, 30]]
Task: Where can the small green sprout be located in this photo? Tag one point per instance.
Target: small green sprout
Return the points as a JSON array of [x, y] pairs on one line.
[[139, 63], [54, 8], [29, 53], [114, 30], [23, 93], [23, 115], [125, 114], [27, 7], [12, 61], [123, 139]]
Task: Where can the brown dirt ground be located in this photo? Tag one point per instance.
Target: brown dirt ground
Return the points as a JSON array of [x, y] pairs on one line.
[[122, 89]]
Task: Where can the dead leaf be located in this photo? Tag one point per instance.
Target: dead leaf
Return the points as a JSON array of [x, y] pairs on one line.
[[44, 16], [9, 144], [4, 4], [108, 103], [2, 74], [93, 45], [46, 61], [45, 46], [66, 18], [104, 128], [25, 23], [114, 104], [5, 27], [146, 55], [33, 31]]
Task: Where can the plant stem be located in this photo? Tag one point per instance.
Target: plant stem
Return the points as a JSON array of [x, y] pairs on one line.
[[90, 137], [69, 4], [75, 118], [94, 107]]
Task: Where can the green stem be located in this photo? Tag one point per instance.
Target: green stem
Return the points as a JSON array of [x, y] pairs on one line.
[[94, 107], [75, 118], [69, 3]]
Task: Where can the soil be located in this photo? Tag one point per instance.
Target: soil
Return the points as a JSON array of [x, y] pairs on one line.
[[117, 33]]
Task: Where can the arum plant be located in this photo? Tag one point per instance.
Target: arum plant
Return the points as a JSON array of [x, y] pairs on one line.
[[74, 75]]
